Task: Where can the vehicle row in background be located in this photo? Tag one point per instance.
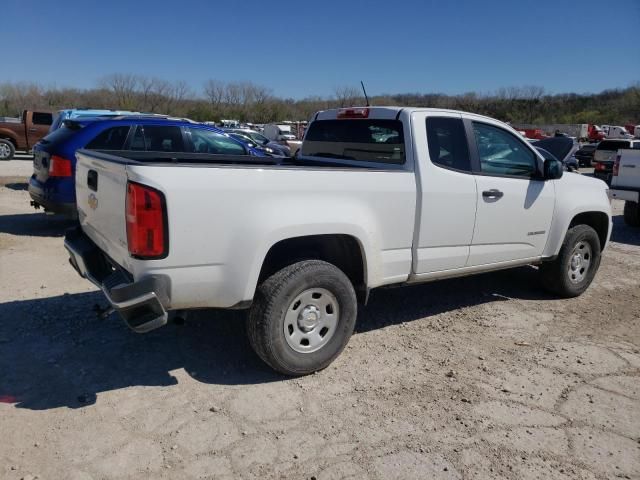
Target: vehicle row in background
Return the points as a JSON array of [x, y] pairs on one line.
[[52, 184]]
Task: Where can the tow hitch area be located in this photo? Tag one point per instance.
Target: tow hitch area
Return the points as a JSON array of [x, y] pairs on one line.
[[141, 304]]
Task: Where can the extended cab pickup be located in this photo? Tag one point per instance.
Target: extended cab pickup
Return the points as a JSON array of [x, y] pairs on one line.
[[377, 196], [23, 134], [625, 184]]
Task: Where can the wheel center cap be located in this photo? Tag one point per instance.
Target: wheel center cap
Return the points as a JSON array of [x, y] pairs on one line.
[[308, 318], [576, 261]]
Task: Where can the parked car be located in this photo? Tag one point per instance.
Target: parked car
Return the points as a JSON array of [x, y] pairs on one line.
[[78, 113], [559, 148], [379, 196], [584, 155], [260, 140], [52, 184], [625, 184], [23, 134], [605, 155], [282, 133]]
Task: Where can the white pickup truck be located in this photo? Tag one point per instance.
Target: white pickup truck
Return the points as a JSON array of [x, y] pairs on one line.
[[378, 196], [625, 184]]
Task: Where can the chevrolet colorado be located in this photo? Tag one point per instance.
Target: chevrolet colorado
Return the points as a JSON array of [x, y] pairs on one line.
[[377, 196]]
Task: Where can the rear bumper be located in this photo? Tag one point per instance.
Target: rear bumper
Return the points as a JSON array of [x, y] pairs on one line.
[[142, 304], [43, 197], [627, 195]]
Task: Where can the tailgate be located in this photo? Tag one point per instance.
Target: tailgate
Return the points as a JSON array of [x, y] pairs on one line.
[[101, 187], [628, 170]]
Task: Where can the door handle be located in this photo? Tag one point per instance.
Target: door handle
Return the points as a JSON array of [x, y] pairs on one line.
[[33, 129], [493, 193]]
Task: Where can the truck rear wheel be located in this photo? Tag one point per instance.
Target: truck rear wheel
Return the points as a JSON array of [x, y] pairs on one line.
[[302, 317], [631, 214], [571, 273], [6, 149]]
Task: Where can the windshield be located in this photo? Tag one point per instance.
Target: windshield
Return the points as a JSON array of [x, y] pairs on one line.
[[379, 141]]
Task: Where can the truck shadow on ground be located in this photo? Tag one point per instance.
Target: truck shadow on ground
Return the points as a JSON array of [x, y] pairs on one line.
[[622, 233], [35, 224], [54, 352]]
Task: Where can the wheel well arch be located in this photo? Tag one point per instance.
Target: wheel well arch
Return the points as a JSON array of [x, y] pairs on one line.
[[599, 221], [9, 139], [343, 251]]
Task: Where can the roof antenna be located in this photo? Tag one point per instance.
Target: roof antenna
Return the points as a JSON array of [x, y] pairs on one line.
[[365, 92]]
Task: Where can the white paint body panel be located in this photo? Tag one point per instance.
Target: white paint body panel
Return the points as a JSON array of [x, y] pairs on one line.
[[628, 170], [412, 225]]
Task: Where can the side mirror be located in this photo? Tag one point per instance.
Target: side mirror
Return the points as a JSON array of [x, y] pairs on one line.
[[553, 169]]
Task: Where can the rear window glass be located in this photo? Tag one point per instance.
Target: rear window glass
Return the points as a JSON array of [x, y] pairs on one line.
[[611, 145], [60, 135], [110, 139], [380, 141]]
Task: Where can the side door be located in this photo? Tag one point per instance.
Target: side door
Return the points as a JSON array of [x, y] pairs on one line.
[[37, 125], [446, 193], [515, 207]]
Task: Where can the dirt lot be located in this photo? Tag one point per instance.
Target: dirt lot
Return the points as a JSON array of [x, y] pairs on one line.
[[486, 377]]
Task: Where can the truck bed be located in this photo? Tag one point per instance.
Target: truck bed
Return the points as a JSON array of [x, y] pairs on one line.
[[225, 213]]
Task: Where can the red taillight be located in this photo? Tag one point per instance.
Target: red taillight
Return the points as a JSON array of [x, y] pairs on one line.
[[616, 166], [361, 112], [146, 222], [599, 166], [59, 166]]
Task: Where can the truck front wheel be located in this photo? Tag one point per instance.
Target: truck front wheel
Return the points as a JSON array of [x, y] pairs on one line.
[[571, 273], [302, 317], [6, 149], [631, 214]]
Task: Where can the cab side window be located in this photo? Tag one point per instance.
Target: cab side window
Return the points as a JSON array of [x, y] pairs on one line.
[[448, 143], [502, 153]]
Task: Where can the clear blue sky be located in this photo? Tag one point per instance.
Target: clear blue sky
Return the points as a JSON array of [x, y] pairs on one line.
[[308, 47]]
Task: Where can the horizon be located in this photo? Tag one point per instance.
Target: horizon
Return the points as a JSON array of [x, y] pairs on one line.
[[438, 49]]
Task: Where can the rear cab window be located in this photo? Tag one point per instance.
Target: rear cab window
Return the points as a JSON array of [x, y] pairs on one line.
[[611, 145], [61, 134], [362, 140]]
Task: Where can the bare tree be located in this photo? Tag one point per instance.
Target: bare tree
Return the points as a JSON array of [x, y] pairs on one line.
[[123, 86], [154, 91], [214, 90], [347, 96]]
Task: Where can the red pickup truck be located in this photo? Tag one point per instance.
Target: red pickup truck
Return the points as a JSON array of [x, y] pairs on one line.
[[23, 133]]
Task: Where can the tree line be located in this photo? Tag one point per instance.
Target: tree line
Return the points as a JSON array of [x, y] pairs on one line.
[[249, 102]]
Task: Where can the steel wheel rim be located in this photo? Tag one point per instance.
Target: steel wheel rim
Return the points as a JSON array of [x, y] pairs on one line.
[[4, 151], [311, 320], [579, 262]]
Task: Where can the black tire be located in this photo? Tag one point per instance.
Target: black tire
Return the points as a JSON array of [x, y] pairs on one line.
[[631, 214], [7, 150], [557, 276], [273, 299]]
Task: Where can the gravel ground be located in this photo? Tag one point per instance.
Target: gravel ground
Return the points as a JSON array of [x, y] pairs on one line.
[[485, 377]]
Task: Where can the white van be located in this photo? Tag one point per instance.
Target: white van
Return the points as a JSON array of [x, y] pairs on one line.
[[617, 132], [278, 132]]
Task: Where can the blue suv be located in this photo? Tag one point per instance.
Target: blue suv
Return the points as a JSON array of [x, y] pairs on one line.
[[52, 185]]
